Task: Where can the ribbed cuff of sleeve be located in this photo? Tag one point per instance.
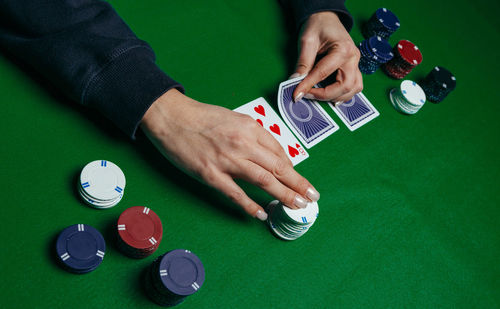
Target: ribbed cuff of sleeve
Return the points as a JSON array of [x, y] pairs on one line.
[[302, 9], [126, 87]]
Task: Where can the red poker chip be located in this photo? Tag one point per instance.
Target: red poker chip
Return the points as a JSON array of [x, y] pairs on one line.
[[410, 52], [140, 228]]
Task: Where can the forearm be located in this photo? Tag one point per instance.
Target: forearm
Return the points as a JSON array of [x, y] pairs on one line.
[[88, 52]]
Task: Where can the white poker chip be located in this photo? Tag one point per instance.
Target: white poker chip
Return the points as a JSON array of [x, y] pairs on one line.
[[102, 184], [303, 215], [408, 98], [98, 204], [412, 92], [290, 224]]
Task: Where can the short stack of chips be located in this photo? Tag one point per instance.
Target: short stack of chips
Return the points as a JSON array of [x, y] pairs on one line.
[[101, 184], [139, 232], [374, 52], [80, 248], [290, 224], [383, 23], [406, 57], [438, 84], [174, 276], [408, 98]]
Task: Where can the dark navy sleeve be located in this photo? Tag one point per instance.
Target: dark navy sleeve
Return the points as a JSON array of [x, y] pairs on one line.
[[302, 9], [85, 49]]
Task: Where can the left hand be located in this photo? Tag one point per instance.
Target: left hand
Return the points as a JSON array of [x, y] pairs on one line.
[[324, 34]]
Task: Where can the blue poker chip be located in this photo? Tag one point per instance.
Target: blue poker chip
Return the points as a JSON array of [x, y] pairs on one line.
[[80, 248], [181, 272], [382, 23], [388, 19], [381, 48], [374, 52]]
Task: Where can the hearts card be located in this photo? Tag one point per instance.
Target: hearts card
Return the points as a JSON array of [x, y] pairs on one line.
[[265, 115]]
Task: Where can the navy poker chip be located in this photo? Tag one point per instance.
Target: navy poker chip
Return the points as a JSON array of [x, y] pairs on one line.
[[382, 23], [80, 248], [174, 276], [181, 272], [375, 51]]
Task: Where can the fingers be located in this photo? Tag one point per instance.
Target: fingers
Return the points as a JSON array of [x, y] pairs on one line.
[[326, 66], [277, 177], [307, 57], [355, 87], [349, 82], [225, 184], [270, 143], [264, 179]]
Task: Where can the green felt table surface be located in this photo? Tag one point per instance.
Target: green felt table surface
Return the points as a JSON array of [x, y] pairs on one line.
[[409, 209]]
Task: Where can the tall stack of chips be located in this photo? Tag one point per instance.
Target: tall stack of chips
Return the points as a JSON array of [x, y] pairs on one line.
[[101, 184], [290, 224], [383, 23], [374, 52], [408, 98], [438, 84], [406, 57], [139, 232], [80, 248], [174, 276]]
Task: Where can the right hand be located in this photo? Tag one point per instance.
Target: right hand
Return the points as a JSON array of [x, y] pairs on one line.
[[217, 145]]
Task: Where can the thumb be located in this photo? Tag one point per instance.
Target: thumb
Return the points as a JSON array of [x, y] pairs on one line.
[[305, 62]]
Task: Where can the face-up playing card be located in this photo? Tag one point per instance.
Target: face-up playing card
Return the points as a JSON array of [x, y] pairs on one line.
[[355, 112], [262, 112], [306, 118]]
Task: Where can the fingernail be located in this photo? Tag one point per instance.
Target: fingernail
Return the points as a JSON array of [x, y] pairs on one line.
[[262, 216], [309, 96], [298, 97], [296, 74], [312, 194], [300, 202], [337, 103]]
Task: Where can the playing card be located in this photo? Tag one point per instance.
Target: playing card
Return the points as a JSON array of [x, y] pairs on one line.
[[306, 118], [355, 112], [263, 113]]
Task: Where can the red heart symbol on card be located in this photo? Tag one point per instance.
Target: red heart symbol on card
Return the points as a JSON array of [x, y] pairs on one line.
[[260, 122], [260, 109], [292, 151], [275, 128], [297, 145]]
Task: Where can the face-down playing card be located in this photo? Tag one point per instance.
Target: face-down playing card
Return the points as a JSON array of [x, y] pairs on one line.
[[306, 118], [355, 112], [263, 113]]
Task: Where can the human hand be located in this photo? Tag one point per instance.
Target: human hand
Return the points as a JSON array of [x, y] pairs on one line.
[[215, 145], [324, 34]]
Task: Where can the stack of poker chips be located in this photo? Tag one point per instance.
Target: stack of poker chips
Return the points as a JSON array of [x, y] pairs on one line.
[[383, 23], [438, 84], [101, 184], [408, 98], [80, 248], [174, 276], [374, 52], [406, 57], [290, 224], [139, 232]]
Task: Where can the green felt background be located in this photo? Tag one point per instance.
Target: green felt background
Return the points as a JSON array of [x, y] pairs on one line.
[[409, 210]]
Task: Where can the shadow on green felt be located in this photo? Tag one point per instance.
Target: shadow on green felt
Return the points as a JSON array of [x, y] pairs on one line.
[[147, 151], [52, 253]]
